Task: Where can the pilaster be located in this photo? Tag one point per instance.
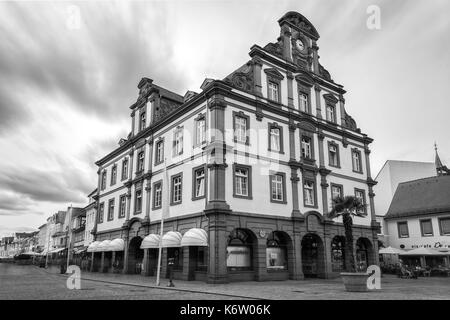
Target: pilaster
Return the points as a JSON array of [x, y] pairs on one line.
[[318, 102]]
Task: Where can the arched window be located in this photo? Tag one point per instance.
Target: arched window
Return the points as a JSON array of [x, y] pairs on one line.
[[276, 252], [239, 250], [338, 254]]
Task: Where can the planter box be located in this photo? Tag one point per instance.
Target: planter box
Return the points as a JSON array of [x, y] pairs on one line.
[[355, 282]]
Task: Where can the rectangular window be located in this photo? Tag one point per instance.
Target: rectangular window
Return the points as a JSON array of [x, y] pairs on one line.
[[178, 142], [122, 206], [426, 228], [277, 188], [199, 183], [273, 91], [403, 229], [240, 129], [142, 121], [308, 193], [242, 181], [125, 168], [306, 147], [113, 175], [101, 211], [200, 131], [336, 191], [159, 152], [140, 162], [361, 196], [356, 161], [275, 139], [444, 226], [330, 113], [303, 102], [333, 155], [176, 189], [157, 195], [111, 209], [103, 181], [138, 202]]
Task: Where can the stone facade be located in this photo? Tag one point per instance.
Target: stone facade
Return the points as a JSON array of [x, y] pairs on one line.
[[268, 172]]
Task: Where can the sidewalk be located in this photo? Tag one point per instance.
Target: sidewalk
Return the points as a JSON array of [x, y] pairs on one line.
[[393, 288]]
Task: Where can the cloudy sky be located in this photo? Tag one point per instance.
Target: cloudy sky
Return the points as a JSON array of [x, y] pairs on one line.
[[66, 84]]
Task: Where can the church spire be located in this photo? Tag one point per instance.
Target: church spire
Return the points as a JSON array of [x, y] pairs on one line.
[[440, 168]]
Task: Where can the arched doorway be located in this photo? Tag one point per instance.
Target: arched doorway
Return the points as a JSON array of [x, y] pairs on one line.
[[312, 256], [277, 251], [135, 256], [338, 254], [364, 254]]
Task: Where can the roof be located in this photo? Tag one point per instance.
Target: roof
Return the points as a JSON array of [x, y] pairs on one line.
[[422, 196]]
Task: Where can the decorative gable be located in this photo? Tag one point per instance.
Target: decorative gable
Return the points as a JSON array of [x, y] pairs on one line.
[[274, 73], [297, 21]]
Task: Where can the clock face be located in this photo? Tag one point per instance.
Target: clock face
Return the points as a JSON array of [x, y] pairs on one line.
[[300, 45]]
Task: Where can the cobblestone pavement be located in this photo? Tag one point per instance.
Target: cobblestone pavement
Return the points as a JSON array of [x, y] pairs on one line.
[[16, 282]]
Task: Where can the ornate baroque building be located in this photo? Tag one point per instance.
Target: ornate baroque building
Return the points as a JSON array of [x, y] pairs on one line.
[[249, 165]]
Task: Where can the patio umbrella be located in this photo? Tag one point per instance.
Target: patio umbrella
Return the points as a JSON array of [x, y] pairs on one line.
[[424, 252], [391, 250]]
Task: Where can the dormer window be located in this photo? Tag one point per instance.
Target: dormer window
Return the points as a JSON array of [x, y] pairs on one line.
[[273, 91], [331, 115], [303, 102]]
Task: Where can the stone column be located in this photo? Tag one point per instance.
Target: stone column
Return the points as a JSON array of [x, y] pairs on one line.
[[113, 259], [295, 253], [102, 262], [163, 263], [318, 103], [342, 109], [125, 253], [216, 150], [133, 121], [290, 89], [145, 264], [257, 68], [327, 253], [217, 245], [260, 259], [323, 171], [91, 267], [188, 263]]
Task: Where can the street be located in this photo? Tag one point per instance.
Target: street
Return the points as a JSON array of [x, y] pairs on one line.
[[31, 282], [19, 282]]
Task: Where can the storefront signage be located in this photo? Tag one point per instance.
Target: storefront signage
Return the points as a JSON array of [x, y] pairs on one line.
[[429, 245]]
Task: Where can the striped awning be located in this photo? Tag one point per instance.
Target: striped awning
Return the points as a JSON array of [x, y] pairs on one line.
[[171, 239], [195, 237], [151, 241]]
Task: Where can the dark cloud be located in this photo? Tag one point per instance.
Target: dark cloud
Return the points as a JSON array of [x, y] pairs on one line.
[[66, 185], [97, 67]]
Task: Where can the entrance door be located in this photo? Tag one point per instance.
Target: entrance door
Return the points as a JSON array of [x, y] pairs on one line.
[[135, 256], [311, 249]]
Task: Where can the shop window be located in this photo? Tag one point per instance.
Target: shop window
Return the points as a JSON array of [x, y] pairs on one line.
[[276, 253], [202, 259], [239, 251], [338, 254], [177, 255]]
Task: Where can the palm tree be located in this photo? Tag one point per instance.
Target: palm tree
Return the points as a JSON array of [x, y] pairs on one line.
[[348, 207]]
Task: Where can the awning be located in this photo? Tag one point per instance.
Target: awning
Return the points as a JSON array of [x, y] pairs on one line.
[[424, 252], [117, 245], [151, 241], [391, 250], [104, 246], [93, 246], [79, 250], [57, 250], [171, 239], [195, 237]]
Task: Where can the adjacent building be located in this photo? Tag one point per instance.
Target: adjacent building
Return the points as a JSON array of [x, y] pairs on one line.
[[390, 176], [243, 173]]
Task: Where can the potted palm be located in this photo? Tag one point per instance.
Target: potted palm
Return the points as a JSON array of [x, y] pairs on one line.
[[348, 207]]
